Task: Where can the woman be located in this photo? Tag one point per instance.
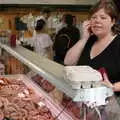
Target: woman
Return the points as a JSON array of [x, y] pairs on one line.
[[100, 44], [99, 47], [42, 42]]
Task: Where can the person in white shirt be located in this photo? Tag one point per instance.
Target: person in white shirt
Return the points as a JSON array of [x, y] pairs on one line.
[[42, 42]]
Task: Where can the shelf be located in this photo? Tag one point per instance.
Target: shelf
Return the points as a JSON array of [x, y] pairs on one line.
[[48, 69], [23, 8]]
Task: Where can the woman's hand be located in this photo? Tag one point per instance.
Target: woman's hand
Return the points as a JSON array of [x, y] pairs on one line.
[[86, 30], [106, 81], [115, 87], [74, 53]]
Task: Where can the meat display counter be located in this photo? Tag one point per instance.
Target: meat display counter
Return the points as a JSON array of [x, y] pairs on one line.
[[53, 72], [46, 68]]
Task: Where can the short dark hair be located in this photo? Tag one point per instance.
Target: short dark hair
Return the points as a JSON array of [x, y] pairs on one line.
[[40, 25], [68, 19]]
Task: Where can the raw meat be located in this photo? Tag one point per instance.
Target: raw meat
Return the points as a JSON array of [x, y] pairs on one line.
[[19, 102]]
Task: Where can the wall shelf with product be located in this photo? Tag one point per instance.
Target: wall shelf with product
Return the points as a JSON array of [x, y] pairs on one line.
[[9, 12], [65, 7]]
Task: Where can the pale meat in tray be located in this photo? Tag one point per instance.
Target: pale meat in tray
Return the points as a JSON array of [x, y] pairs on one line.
[[21, 99]]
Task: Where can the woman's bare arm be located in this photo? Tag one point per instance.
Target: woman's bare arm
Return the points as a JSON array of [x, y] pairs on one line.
[[74, 53]]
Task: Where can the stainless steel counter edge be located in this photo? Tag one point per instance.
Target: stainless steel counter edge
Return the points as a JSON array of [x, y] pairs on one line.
[[50, 70]]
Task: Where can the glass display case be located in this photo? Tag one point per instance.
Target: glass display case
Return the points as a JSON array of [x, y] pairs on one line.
[[46, 80]]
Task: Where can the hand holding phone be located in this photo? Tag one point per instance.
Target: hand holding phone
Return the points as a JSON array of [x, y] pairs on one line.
[[86, 29]]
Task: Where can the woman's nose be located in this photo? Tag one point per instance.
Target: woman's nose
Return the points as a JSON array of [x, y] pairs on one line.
[[97, 19]]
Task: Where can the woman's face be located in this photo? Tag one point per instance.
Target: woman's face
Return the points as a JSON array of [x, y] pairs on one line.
[[101, 23]]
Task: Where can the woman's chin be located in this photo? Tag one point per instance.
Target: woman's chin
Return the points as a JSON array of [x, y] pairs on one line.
[[99, 33]]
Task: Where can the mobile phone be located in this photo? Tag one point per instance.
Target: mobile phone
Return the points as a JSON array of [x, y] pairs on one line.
[[90, 30]]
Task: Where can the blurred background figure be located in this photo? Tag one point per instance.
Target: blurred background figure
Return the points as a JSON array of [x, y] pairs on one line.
[[65, 38], [42, 42]]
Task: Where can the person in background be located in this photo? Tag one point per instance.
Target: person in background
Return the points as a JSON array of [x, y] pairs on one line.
[[71, 32], [100, 44], [42, 42]]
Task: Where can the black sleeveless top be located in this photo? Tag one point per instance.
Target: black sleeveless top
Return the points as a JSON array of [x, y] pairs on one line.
[[109, 58]]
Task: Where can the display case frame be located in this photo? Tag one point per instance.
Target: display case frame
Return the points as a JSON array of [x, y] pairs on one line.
[[50, 70]]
